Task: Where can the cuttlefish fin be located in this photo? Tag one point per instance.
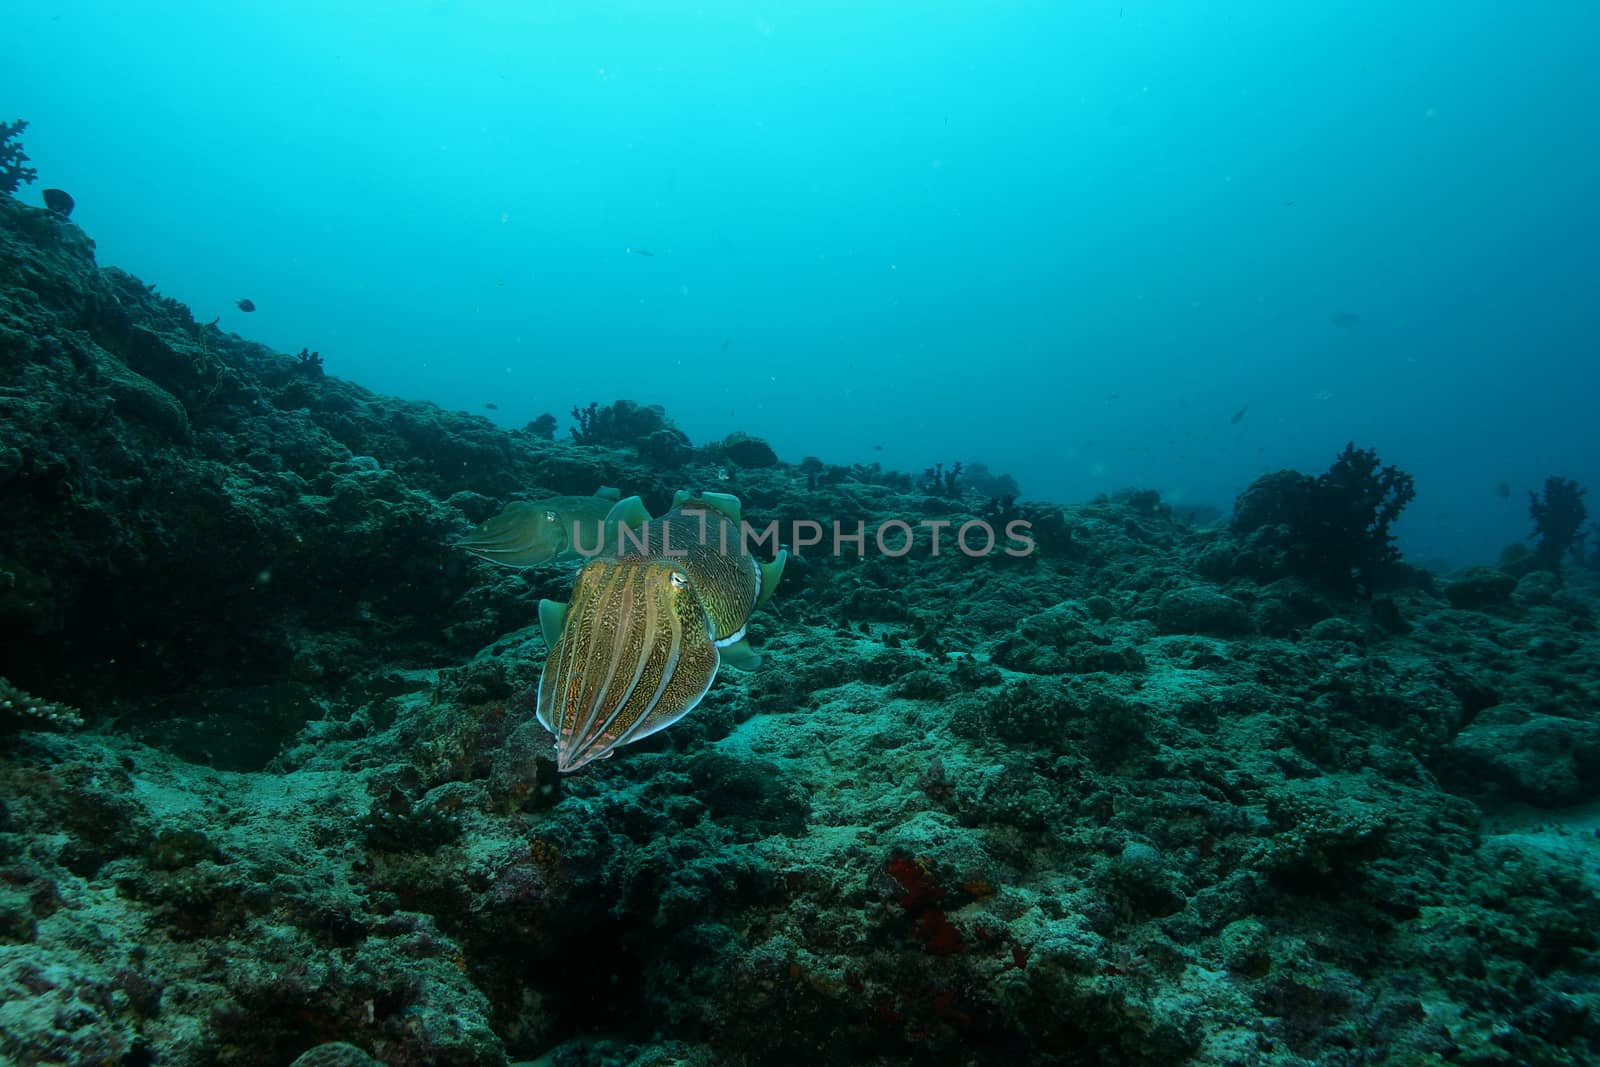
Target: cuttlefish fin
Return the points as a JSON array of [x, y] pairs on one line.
[[552, 620], [629, 512], [771, 575], [726, 503], [740, 655]]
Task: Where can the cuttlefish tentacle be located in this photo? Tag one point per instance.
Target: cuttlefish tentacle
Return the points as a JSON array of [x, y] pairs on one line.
[[646, 631]]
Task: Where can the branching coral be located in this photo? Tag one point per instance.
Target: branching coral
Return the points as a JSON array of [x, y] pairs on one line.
[[626, 423], [940, 482], [1338, 524], [13, 160], [1557, 517]]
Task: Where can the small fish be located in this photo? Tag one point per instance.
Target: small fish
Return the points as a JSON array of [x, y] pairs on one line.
[[877, 448], [726, 343], [58, 201], [1238, 416], [1503, 491], [647, 627], [1346, 318], [244, 303], [641, 252], [492, 406]]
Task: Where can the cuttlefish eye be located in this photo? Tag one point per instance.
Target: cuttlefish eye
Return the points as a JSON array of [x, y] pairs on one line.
[[680, 581], [556, 530]]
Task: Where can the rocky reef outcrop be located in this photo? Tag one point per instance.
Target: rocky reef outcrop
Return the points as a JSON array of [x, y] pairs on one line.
[[1149, 794]]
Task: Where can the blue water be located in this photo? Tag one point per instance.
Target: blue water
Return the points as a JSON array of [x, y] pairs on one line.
[[1070, 240]]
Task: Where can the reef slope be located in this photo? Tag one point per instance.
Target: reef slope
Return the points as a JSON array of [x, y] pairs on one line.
[[1145, 796]]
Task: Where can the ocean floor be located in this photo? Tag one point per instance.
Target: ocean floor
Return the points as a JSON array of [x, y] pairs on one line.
[[1154, 794]]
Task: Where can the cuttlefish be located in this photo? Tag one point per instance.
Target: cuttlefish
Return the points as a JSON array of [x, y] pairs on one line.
[[649, 624], [527, 533]]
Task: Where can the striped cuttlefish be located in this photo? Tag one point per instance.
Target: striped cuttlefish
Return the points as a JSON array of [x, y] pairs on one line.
[[650, 621]]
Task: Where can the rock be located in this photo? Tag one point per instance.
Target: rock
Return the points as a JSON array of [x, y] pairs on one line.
[[335, 1054], [1541, 759], [1536, 588], [1480, 587], [1201, 610]]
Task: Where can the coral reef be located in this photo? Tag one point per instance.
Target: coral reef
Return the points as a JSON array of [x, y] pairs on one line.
[[1156, 793]]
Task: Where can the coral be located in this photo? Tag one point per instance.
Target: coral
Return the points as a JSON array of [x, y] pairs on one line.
[[13, 169], [981, 479], [744, 450], [937, 481], [1333, 529], [1558, 517], [622, 423], [998, 511], [543, 427]]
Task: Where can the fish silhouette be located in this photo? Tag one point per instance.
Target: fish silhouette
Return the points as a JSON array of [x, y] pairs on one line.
[[58, 201]]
